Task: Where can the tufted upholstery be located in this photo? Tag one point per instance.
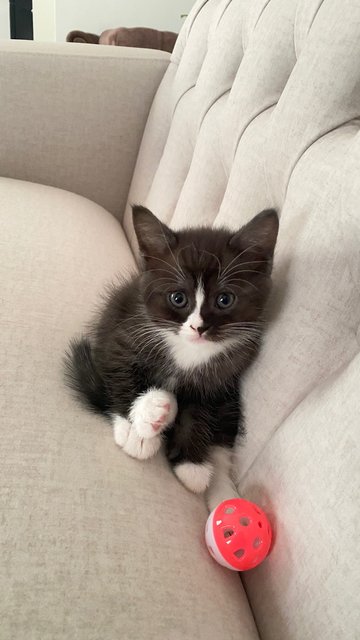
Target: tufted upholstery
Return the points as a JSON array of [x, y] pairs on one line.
[[259, 107]]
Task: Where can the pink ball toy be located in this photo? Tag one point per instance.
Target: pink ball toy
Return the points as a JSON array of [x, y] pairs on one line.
[[238, 534]]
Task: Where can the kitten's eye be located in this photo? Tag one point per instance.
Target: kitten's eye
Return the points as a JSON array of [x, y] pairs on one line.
[[225, 300], [178, 299]]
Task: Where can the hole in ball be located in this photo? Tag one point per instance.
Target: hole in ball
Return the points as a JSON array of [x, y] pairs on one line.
[[228, 533], [257, 543], [239, 553], [260, 525], [229, 510], [244, 522]]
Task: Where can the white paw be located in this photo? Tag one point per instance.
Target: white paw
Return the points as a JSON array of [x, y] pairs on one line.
[[152, 412], [141, 448], [195, 477], [121, 429]]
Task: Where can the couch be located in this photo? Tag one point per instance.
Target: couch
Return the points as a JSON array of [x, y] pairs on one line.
[[258, 106]]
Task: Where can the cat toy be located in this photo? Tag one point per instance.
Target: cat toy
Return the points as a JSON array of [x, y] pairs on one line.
[[238, 534]]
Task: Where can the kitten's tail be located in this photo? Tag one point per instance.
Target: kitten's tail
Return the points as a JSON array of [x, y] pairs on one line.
[[83, 377]]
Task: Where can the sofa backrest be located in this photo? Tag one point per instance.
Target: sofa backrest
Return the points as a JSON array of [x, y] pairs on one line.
[[260, 107]]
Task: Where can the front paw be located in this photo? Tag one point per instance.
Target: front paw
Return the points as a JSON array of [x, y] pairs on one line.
[[141, 448], [195, 477], [121, 428], [129, 440], [152, 412]]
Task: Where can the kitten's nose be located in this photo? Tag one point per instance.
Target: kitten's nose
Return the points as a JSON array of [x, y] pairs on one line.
[[200, 329]]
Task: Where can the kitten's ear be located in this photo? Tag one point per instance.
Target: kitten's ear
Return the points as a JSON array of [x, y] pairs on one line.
[[258, 235], [153, 236]]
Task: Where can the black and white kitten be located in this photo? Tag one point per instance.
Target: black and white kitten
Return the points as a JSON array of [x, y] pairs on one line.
[[165, 357]]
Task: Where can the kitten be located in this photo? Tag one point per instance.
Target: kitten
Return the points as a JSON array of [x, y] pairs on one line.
[[165, 358]]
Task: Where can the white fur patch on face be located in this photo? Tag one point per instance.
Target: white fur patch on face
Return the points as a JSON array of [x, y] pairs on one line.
[[195, 477], [188, 348], [195, 318], [189, 355], [152, 412]]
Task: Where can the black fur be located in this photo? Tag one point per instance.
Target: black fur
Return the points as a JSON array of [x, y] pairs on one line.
[[83, 377], [124, 353]]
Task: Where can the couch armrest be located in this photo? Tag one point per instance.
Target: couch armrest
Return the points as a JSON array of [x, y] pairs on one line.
[[72, 116]]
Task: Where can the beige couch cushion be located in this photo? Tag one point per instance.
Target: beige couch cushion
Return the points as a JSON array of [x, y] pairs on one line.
[[73, 117], [93, 544], [307, 478]]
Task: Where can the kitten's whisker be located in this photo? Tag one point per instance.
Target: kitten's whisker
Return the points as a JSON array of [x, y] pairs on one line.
[[142, 332], [245, 327], [156, 290], [243, 264], [168, 271], [233, 277], [183, 249], [178, 267], [254, 262], [236, 258], [164, 320], [157, 345], [216, 258], [167, 263], [163, 279], [243, 331], [176, 260], [142, 340], [235, 273], [155, 341], [250, 338], [132, 319], [143, 329], [251, 284], [227, 357], [249, 323]]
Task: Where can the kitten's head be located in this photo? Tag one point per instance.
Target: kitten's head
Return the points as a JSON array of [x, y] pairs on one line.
[[206, 288]]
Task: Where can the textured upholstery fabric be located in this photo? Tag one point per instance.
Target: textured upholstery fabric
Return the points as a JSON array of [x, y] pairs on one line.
[[93, 544], [307, 477], [74, 118], [260, 106], [267, 114]]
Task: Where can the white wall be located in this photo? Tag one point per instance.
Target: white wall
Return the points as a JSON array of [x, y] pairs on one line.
[[4, 20], [97, 15], [44, 20]]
